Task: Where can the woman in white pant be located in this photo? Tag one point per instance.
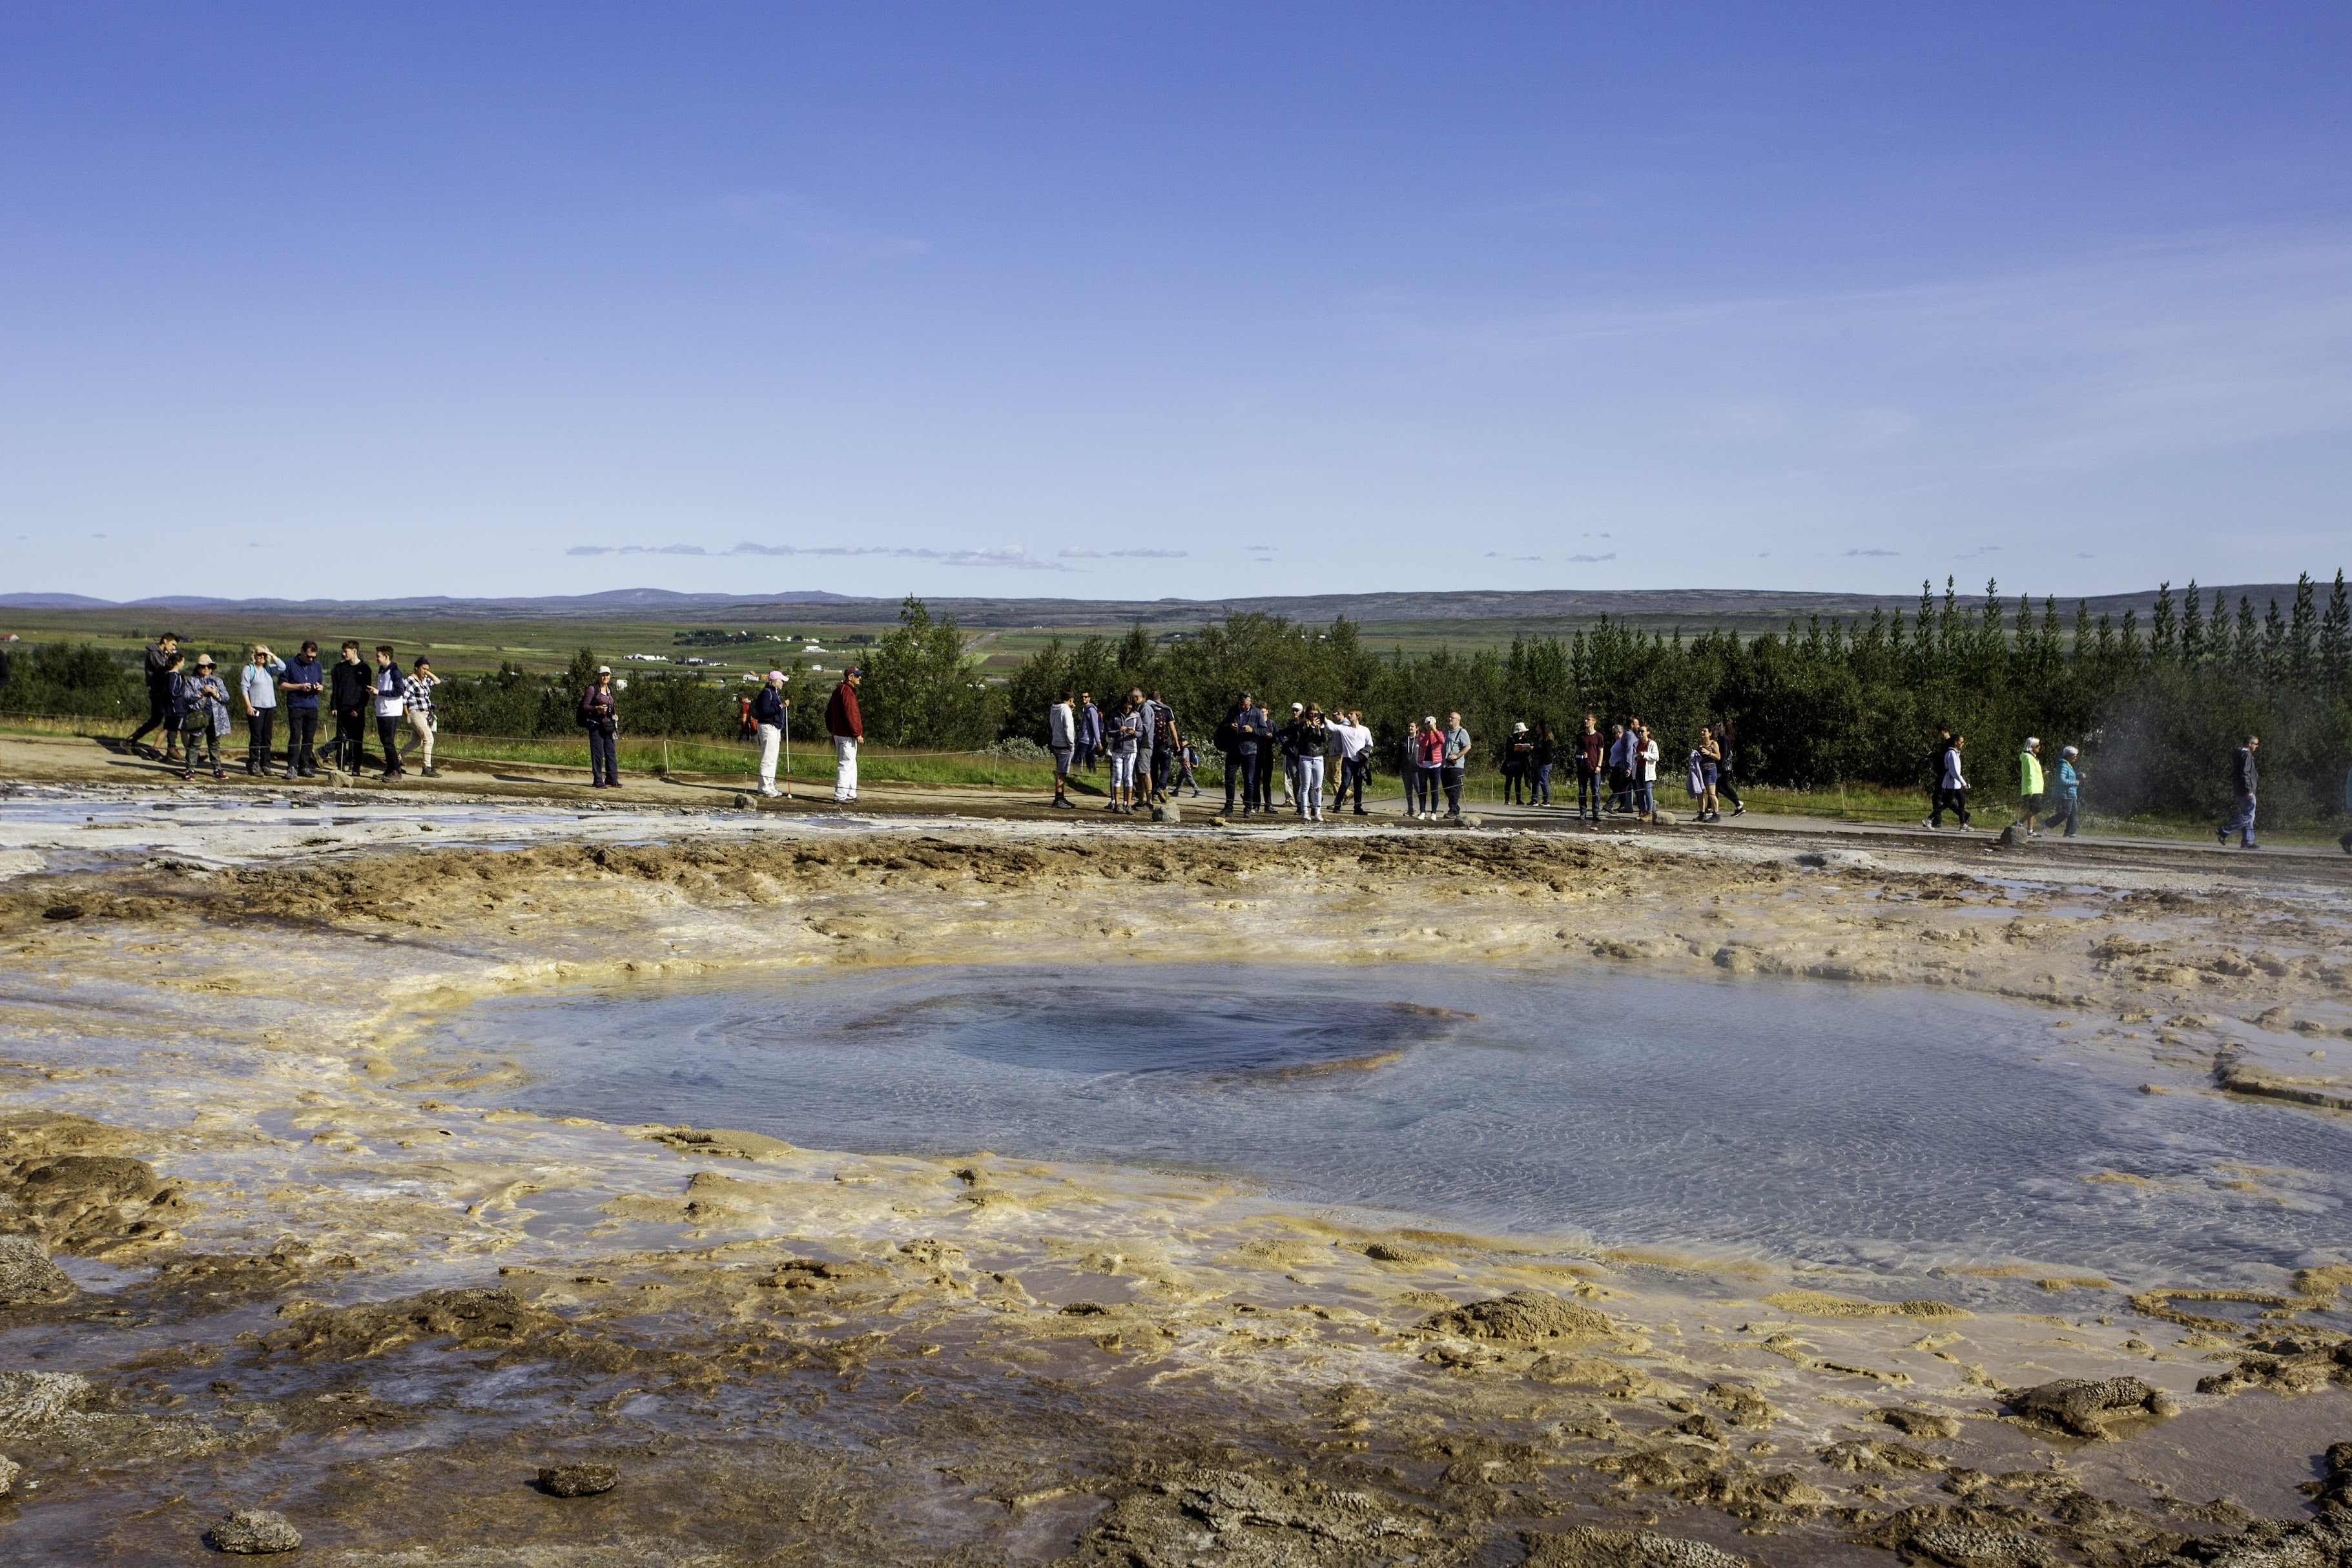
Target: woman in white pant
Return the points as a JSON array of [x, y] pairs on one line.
[[1312, 740], [1124, 736]]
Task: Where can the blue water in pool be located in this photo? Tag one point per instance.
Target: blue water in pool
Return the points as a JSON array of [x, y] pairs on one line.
[[1836, 1124]]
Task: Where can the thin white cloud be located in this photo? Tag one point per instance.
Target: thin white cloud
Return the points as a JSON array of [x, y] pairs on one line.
[[1152, 554], [1011, 556], [1873, 553], [807, 223], [1592, 559], [1079, 552]]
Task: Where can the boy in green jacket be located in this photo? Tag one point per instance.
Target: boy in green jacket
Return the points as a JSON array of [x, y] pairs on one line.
[[2029, 785]]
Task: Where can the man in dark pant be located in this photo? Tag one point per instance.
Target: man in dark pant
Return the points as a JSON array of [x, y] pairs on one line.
[[159, 694], [351, 692], [304, 681]]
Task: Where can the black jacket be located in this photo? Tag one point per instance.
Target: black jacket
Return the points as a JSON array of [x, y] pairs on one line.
[[2241, 771], [351, 684], [159, 672]]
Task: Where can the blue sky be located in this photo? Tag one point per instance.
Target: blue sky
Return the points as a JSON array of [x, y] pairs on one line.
[[1133, 301]]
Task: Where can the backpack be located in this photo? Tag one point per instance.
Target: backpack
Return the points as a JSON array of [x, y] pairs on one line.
[[581, 715], [1226, 738]]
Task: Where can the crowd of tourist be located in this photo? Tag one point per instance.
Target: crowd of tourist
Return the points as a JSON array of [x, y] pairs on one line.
[[193, 707]]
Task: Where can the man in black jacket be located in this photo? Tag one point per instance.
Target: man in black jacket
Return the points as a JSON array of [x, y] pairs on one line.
[[351, 688], [2241, 783], [159, 698]]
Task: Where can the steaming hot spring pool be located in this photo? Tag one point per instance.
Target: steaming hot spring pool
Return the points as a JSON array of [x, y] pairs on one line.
[[1833, 1124]]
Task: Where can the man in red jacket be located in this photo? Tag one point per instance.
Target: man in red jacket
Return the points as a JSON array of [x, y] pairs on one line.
[[841, 721]]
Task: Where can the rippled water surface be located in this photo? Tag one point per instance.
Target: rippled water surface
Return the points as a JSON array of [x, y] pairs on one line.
[[1837, 1123]]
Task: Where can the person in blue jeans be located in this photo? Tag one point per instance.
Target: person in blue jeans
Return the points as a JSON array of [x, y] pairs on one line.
[[2065, 790], [2242, 780]]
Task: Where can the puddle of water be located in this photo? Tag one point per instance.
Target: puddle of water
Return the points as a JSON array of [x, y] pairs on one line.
[[1840, 1125]]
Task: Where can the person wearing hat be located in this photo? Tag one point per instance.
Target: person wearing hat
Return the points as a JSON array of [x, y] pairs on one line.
[[416, 692], [389, 691], [600, 715], [2029, 786], [770, 712], [1519, 758], [847, 728], [205, 699]]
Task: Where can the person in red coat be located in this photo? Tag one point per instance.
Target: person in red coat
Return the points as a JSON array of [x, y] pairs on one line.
[[843, 723]]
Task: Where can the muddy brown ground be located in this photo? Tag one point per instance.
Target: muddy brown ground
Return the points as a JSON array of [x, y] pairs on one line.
[[323, 1272]]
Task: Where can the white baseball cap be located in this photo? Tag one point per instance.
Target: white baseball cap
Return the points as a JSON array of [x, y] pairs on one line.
[[603, 670]]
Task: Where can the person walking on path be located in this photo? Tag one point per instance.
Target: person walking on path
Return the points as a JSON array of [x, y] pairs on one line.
[[1519, 766], [847, 728], [163, 672], [2242, 781], [2066, 795], [1188, 762], [417, 693], [352, 690], [1452, 759], [204, 699], [1090, 731], [1951, 784], [300, 684], [1727, 787], [1122, 734], [1707, 759], [389, 694], [258, 688], [1062, 739], [2029, 786], [770, 712], [1935, 768], [600, 715]]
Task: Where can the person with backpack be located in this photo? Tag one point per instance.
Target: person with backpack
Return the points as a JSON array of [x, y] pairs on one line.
[[1642, 749], [2242, 780], [1518, 759], [600, 715], [258, 688], [770, 712], [163, 674], [303, 679], [1952, 784], [351, 688], [1188, 761], [202, 701], [847, 728], [2067, 797]]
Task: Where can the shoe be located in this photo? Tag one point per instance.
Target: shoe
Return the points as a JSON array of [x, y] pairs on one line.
[[1927, 824], [2249, 847], [220, 772], [1739, 811], [2221, 837], [430, 773]]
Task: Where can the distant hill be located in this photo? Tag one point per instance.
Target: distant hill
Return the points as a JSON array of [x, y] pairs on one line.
[[1694, 607]]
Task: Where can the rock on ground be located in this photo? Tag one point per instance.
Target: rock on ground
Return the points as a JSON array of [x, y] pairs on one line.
[[1591, 1547], [578, 1481], [254, 1531], [26, 1276], [1522, 1315]]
